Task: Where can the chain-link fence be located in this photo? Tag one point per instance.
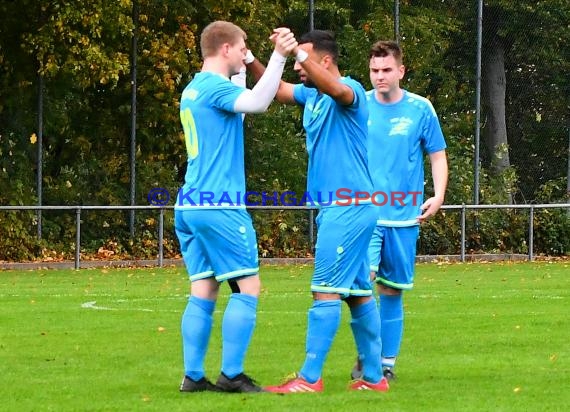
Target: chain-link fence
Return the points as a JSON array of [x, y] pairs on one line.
[[497, 74], [514, 58]]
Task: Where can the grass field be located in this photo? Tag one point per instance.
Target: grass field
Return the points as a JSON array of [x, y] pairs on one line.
[[479, 337]]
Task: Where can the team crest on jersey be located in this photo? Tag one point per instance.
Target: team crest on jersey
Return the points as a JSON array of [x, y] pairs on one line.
[[189, 94], [400, 126], [314, 109]]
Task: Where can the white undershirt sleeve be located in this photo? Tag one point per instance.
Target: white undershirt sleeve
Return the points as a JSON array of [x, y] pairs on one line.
[[240, 78], [258, 99]]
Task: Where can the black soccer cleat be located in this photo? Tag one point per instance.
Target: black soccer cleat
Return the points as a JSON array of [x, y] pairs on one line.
[[201, 385], [389, 374], [356, 372], [238, 384]]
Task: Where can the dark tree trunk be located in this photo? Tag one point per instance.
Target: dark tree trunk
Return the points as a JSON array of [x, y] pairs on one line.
[[494, 88], [493, 85]]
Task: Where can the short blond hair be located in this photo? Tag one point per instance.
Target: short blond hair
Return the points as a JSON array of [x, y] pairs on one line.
[[218, 33]]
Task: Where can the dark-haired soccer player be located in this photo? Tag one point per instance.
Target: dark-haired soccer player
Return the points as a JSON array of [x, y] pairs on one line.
[[335, 120], [402, 127]]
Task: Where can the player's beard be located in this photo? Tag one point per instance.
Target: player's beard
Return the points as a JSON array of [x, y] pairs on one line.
[[308, 83]]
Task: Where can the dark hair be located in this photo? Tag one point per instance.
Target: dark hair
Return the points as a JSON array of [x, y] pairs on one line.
[[323, 41], [385, 48]]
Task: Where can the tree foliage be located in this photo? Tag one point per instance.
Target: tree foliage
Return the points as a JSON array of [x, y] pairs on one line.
[[82, 53]]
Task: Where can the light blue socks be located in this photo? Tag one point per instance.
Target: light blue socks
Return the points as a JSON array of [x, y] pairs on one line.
[[323, 322], [196, 327], [392, 316], [237, 330], [365, 326]]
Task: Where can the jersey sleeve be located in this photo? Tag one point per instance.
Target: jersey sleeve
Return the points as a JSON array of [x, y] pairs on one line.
[[357, 89], [433, 140], [225, 93], [300, 94]]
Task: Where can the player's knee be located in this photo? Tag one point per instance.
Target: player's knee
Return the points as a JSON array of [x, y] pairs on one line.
[[205, 289], [386, 290], [325, 296], [355, 301], [249, 285]]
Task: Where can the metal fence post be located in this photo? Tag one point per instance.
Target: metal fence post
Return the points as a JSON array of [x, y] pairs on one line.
[[312, 228], [397, 21], [476, 160], [311, 15], [133, 141], [160, 237], [531, 234], [39, 165], [77, 236], [568, 174], [463, 212]]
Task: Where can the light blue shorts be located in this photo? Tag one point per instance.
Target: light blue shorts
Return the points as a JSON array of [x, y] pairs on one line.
[[392, 254], [217, 242], [341, 262]]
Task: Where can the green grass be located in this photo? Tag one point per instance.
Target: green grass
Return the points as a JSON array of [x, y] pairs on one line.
[[479, 337]]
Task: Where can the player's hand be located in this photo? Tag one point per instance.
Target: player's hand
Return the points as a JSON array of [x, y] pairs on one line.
[[430, 208], [276, 33], [284, 41]]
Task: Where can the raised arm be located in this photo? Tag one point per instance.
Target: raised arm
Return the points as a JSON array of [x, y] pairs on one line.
[[259, 98], [256, 68], [322, 71], [284, 92]]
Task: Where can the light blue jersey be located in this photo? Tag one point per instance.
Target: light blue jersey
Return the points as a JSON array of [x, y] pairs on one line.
[[399, 134], [336, 143], [214, 141]]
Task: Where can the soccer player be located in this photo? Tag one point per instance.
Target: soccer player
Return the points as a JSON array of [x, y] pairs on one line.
[[219, 243], [334, 117], [402, 127]]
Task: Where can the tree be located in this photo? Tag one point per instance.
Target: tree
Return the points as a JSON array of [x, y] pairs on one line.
[[523, 73], [494, 88], [82, 51]]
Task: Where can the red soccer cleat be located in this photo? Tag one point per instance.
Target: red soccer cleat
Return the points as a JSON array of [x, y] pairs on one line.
[[362, 385], [296, 384]]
